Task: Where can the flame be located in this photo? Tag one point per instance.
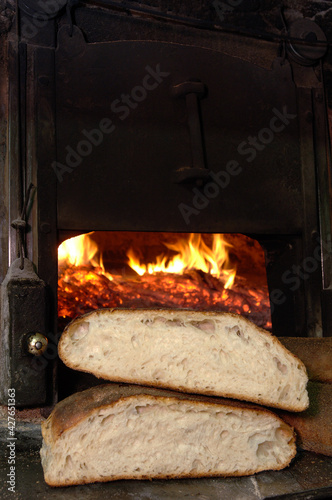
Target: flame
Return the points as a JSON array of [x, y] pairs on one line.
[[191, 254], [82, 251]]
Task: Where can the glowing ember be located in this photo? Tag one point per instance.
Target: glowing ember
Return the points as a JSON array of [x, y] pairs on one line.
[[190, 274]]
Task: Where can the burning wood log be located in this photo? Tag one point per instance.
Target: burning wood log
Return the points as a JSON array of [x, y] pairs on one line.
[[83, 288]]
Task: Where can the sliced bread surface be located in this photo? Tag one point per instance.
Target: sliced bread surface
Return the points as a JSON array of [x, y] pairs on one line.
[[218, 354], [113, 431]]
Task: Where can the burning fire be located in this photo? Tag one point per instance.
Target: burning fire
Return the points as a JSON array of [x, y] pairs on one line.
[[191, 254], [193, 272], [82, 251]]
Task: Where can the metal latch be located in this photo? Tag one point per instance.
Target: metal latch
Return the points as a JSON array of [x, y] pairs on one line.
[[23, 335]]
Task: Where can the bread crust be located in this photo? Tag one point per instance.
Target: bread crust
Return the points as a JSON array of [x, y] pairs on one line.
[[74, 409], [163, 476], [192, 314]]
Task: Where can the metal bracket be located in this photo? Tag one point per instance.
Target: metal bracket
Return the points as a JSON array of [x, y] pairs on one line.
[[314, 44], [71, 41]]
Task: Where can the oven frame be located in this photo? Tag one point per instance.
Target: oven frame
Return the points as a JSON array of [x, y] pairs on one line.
[[31, 149]]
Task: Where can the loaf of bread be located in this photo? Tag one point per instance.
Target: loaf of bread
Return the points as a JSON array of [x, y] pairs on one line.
[[218, 354], [115, 431]]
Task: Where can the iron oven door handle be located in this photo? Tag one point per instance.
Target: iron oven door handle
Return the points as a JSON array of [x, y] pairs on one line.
[[192, 91]]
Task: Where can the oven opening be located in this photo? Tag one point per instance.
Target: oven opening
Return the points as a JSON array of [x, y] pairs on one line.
[[199, 271]]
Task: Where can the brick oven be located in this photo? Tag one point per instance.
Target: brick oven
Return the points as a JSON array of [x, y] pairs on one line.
[[144, 120]]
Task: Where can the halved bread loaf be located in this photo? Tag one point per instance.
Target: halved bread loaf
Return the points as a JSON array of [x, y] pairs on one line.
[[114, 432], [210, 353]]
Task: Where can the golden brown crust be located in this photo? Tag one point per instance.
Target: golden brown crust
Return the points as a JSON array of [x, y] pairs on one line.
[[141, 381], [196, 392], [170, 476]]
